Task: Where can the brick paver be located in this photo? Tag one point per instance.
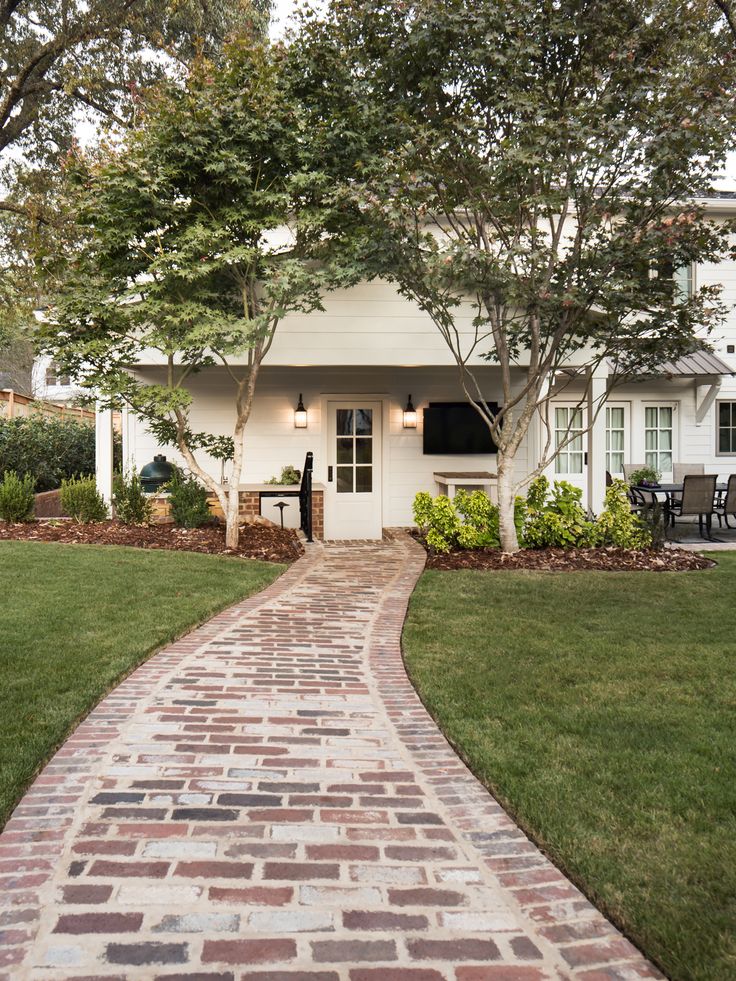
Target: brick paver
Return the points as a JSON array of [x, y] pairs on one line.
[[267, 800]]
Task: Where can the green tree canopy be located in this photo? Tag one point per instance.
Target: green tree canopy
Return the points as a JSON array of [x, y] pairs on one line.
[[538, 166], [199, 233], [67, 64]]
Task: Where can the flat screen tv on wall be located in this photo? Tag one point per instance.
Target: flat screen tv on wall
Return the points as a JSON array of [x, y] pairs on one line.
[[455, 428]]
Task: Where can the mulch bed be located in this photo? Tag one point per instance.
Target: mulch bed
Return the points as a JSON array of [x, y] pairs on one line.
[[269, 544], [574, 560]]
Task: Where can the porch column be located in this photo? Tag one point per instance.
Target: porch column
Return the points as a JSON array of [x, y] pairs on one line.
[[597, 441], [103, 452]]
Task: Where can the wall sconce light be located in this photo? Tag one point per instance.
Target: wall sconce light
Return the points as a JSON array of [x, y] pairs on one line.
[[410, 415], [300, 415]]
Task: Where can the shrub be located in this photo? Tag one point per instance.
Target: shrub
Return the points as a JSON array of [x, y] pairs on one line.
[[289, 475], [556, 521], [16, 497], [132, 507], [469, 521], [47, 449], [81, 501], [653, 519], [617, 524], [188, 501], [437, 520], [480, 528]]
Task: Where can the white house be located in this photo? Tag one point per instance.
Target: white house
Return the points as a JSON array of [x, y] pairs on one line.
[[357, 365], [50, 384]]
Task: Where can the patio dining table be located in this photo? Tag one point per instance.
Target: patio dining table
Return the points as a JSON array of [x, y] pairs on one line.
[[671, 493], [673, 490]]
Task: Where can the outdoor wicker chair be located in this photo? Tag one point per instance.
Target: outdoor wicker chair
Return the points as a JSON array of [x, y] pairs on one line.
[[698, 497], [682, 470], [726, 503]]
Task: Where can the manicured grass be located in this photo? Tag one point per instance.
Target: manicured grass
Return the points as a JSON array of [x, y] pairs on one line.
[[600, 708], [75, 619]]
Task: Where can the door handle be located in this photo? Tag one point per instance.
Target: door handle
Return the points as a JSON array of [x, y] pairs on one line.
[[585, 460], [329, 475]]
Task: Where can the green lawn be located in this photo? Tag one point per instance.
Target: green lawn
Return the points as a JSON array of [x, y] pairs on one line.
[[600, 708], [75, 619]]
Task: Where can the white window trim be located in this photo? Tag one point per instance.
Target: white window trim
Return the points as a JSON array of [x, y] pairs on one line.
[[717, 427], [662, 404]]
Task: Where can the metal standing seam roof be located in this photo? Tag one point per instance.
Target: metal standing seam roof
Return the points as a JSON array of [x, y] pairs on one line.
[[697, 363]]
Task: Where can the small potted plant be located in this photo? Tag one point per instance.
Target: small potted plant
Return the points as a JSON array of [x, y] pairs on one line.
[[645, 477]]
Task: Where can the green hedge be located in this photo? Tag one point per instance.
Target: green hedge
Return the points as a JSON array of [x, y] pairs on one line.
[[50, 450]]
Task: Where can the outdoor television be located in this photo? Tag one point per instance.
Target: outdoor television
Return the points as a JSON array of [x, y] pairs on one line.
[[455, 428]]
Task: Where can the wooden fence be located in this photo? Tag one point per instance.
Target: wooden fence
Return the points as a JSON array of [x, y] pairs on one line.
[[13, 405]]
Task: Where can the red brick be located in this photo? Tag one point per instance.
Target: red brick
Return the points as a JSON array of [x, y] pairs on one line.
[[425, 897], [87, 894], [470, 949], [589, 954], [500, 973], [208, 869], [242, 952], [300, 871], [252, 896], [347, 951], [137, 870], [396, 974], [104, 847], [419, 853], [339, 853], [99, 923], [365, 920], [290, 976]]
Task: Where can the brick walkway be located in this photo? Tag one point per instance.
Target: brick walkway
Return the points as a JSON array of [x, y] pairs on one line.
[[267, 800]]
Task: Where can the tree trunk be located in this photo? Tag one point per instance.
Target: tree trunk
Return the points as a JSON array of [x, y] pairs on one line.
[[506, 502], [232, 516]]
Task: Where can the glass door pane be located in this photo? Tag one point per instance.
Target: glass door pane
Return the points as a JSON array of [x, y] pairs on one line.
[[354, 451], [569, 439]]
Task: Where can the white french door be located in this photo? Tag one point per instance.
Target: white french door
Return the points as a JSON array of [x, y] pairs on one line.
[[618, 428], [569, 421], [354, 450], [659, 438]]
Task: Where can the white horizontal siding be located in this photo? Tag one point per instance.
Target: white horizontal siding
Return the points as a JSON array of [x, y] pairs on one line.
[[271, 442]]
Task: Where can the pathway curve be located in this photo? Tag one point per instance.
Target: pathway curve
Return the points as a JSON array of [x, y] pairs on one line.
[[267, 800]]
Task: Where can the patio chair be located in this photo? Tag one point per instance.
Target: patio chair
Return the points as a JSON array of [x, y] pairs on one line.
[[682, 470], [630, 468], [698, 497], [643, 501], [726, 503]]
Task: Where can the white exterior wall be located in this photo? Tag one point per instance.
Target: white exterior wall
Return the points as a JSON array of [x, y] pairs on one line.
[[51, 393], [272, 442], [371, 341]]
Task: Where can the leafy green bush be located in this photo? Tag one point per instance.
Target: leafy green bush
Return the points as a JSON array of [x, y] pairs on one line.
[[289, 475], [16, 497], [132, 507], [617, 524], [644, 475], [479, 528], [188, 501], [438, 521], [469, 521], [556, 521], [81, 501], [47, 449]]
